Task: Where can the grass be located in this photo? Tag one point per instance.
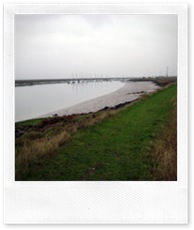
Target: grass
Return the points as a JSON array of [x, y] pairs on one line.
[[108, 145], [165, 149], [29, 122]]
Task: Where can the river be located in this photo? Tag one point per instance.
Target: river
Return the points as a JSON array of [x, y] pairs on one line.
[[34, 101]]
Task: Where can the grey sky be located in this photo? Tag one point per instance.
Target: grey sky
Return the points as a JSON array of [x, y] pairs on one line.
[[62, 46]]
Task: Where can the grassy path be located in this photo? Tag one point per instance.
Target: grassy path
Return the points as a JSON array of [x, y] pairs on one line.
[[118, 148]]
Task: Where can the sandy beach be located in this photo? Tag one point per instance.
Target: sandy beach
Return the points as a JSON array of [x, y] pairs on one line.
[[129, 92]]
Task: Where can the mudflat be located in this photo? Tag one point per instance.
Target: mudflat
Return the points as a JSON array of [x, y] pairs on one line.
[[129, 92]]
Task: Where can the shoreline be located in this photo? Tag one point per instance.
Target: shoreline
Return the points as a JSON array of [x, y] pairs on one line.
[[128, 93]]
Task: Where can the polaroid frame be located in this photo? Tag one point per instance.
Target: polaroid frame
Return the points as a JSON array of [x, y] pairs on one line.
[[123, 202]]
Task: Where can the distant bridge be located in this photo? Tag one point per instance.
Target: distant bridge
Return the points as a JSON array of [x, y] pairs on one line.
[[67, 80]]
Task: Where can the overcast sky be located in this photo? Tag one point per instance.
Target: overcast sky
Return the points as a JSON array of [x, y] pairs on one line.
[[65, 46]]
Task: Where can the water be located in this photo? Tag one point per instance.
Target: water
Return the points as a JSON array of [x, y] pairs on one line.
[[34, 101]]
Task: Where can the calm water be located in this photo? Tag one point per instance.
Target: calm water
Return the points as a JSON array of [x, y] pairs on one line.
[[34, 101]]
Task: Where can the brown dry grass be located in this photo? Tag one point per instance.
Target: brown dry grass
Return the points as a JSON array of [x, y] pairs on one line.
[[33, 151], [165, 150]]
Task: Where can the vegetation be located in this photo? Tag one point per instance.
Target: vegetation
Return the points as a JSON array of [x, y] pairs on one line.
[[161, 81], [165, 148], [133, 142]]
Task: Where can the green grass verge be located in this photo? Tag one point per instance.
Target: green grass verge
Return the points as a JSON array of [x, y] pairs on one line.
[[116, 149], [28, 122]]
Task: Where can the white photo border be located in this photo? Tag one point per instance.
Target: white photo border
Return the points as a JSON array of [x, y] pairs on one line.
[[121, 202]]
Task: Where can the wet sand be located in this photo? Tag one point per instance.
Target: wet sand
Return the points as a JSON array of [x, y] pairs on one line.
[[129, 92]]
